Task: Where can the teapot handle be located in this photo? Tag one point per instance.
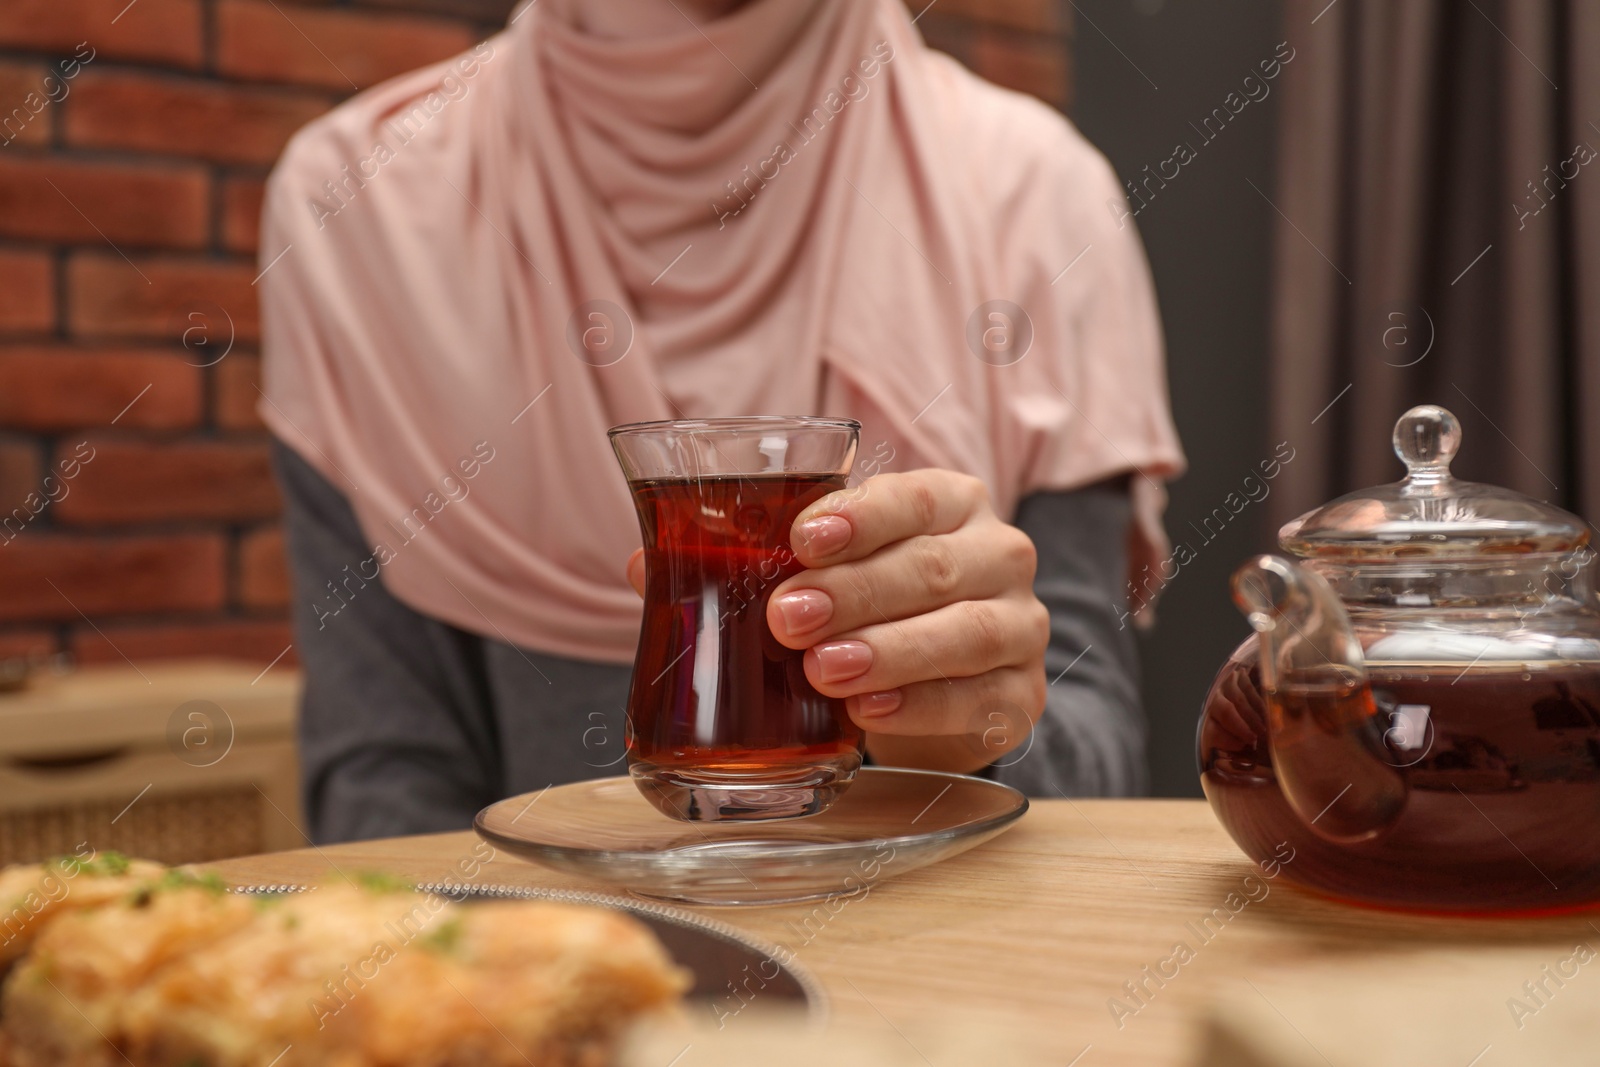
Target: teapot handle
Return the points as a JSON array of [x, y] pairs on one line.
[[1322, 725]]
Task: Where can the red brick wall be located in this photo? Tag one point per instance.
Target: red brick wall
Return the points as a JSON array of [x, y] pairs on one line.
[[1021, 44], [137, 511]]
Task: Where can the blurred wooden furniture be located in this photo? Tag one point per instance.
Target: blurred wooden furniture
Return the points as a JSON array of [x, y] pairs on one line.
[[1062, 933], [180, 762]]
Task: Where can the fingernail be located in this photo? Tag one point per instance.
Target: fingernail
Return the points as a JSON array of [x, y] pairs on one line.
[[872, 705], [840, 661], [805, 610], [824, 535]]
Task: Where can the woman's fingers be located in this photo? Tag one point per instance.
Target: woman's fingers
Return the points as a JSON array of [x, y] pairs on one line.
[[905, 579], [960, 640], [996, 709], [636, 571], [853, 523], [1224, 712], [917, 609], [1246, 699]]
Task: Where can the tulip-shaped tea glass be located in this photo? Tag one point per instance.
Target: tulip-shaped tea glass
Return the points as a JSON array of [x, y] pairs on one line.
[[725, 724]]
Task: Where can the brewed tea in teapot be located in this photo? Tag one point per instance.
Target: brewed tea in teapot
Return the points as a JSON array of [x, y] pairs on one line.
[[1418, 711]]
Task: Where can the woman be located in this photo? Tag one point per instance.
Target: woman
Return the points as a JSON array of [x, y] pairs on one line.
[[617, 211]]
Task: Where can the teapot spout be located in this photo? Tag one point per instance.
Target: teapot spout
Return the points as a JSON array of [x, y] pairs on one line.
[[1323, 728]]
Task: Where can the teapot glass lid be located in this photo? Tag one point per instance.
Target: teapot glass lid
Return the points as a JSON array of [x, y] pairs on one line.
[[1429, 512]]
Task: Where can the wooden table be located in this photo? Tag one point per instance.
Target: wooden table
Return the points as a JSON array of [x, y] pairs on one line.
[[1038, 930]]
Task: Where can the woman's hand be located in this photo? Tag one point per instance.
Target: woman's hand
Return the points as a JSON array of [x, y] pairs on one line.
[[916, 608]]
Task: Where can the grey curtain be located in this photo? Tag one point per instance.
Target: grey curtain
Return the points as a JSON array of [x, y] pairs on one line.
[[1438, 241]]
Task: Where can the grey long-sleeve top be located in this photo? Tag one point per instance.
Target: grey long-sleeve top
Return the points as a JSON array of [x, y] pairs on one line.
[[410, 725]]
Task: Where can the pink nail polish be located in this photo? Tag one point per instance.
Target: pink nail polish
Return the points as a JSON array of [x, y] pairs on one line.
[[840, 661], [873, 705], [824, 535], [804, 610]]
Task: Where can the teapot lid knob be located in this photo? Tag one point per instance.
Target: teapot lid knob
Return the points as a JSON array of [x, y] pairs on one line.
[[1426, 439], [1430, 513]]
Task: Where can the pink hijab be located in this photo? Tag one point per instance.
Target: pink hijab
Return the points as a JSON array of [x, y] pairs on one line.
[[797, 208]]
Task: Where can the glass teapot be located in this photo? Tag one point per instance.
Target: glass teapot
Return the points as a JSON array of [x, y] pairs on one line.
[[1416, 719]]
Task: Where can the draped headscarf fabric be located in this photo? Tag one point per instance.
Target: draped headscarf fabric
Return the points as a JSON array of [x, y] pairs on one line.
[[593, 218]]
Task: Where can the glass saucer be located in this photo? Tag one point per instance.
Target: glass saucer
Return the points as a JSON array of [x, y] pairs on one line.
[[890, 821]]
